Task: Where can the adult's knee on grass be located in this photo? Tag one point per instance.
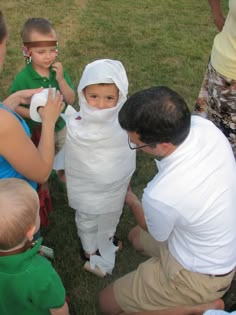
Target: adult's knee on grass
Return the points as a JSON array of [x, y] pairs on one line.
[[107, 301]]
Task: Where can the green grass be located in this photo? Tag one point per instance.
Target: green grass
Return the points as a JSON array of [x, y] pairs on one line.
[[164, 42]]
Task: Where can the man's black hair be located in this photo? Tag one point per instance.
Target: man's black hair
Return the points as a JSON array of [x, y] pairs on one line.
[[157, 115]]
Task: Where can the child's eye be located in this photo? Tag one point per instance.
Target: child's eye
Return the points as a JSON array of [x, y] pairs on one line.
[[93, 96], [110, 98]]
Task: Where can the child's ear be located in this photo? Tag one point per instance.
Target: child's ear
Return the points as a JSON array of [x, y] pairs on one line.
[[57, 50], [30, 233], [26, 54]]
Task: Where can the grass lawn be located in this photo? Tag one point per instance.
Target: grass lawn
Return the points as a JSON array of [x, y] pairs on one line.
[[164, 42]]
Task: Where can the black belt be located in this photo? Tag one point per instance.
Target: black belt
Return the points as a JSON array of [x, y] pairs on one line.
[[224, 275]]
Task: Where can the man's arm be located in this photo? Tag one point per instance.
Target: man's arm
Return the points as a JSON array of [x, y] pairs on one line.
[[217, 14], [136, 207]]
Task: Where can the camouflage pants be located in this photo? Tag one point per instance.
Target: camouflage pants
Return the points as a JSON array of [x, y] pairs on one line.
[[217, 102]]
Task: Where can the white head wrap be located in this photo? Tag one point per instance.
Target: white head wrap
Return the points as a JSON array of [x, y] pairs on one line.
[[103, 71]]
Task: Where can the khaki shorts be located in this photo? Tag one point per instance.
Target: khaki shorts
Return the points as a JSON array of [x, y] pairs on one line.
[[60, 138], [161, 282]]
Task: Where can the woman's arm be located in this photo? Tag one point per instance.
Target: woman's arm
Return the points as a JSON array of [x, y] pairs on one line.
[[24, 112], [17, 148], [217, 14]]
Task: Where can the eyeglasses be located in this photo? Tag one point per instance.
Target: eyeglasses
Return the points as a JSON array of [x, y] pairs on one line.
[[134, 146]]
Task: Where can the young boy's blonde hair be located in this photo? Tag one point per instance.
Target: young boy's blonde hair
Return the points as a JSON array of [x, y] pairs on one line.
[[39, 25], [19, 206]]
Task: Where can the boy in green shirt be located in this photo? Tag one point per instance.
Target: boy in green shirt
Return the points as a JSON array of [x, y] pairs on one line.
[[42, 70], [28, 282]]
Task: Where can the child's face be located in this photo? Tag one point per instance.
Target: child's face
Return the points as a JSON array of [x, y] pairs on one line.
[[101, 96], [43, 57]]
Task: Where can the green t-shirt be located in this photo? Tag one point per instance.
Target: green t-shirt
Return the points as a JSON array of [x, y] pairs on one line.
[[29, 285], [28, 78]]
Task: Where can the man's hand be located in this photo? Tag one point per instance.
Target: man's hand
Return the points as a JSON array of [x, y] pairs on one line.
[[131, 198], [136, 207]]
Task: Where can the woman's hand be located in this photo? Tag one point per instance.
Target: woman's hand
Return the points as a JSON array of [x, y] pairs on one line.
[[20, 97], [219, 21]]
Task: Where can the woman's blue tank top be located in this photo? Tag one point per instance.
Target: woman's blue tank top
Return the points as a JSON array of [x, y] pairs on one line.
[[6, 170]]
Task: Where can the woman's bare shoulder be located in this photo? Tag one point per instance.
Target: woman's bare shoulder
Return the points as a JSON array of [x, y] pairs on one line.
[[8, 120]]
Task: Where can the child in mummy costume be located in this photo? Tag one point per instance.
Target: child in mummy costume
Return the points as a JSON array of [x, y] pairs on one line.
[[98, 162]]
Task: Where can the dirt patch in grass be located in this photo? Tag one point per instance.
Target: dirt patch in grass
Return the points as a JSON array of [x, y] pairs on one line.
[[82, 3]]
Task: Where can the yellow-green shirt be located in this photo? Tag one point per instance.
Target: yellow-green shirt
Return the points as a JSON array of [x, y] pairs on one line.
[[223, 56]]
